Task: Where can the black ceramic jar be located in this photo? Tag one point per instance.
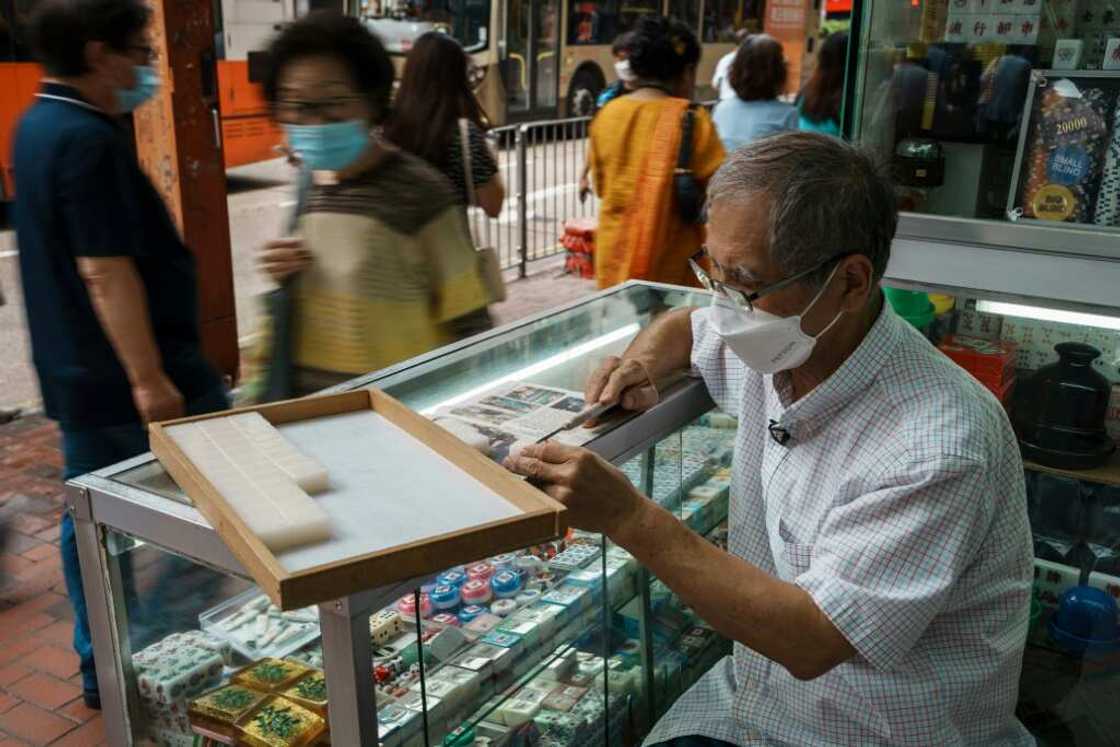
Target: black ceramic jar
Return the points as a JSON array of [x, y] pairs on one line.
[[1060, 411]]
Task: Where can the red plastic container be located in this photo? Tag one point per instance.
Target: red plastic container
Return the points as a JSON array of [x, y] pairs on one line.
[[990, 361]]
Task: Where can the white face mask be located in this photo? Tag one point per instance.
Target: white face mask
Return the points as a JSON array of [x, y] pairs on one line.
[[625, 74], [765, 342]]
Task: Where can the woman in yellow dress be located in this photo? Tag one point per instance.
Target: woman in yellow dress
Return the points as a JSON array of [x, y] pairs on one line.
[[635, 142]]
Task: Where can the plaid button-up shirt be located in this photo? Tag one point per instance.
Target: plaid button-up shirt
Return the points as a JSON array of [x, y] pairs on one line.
[[899, 504]]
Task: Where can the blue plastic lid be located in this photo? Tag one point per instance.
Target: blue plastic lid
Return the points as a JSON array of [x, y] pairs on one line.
[[453, 577], [505, 584], [445, 596], [470, 612]]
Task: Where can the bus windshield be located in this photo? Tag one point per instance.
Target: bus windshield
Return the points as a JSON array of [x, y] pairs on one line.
[[400, 22]]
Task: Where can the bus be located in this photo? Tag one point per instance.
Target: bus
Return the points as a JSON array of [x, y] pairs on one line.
[[542, 59], [242, 31]]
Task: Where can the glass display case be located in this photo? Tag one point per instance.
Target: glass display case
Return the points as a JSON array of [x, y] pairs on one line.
[[565, 643]]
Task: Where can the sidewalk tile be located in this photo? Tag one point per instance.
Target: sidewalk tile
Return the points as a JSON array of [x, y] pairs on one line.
[[91, 734], [44, 690], [33, 724], [76, 709], [53, 660]]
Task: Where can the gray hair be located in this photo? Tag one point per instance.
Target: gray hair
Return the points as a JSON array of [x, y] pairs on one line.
[[827, 198]]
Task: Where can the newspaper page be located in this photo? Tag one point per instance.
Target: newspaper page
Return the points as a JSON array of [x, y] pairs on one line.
[[495, 420]]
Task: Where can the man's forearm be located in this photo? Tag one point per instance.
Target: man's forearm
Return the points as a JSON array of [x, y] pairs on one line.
[[121, 304], [777, 619], [664, 347]]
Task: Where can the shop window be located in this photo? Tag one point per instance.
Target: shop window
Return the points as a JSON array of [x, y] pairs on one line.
[[1004, 115]]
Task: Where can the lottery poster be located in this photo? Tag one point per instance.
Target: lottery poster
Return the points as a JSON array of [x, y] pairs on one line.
[[1068, 151]]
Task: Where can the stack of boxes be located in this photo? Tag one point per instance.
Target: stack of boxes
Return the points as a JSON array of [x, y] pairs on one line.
[[991, 362]]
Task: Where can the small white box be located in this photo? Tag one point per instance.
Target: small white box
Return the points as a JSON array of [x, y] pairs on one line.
[[1111, 59], [1067, 54]]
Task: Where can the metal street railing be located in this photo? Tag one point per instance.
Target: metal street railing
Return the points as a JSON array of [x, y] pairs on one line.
[[541, 164]]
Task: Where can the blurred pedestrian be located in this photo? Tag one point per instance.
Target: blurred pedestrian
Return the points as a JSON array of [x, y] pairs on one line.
[[624, 85], [645, 227], [818, 105], [433, 104], [110, 289], [626, 77], [438, 118], [758, 76], [721, 79], [383, 263]]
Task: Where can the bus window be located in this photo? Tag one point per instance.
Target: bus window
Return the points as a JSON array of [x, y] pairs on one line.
[[631, 10], [601, 21], [686, 11], [722, 18], [400, 23], [593, 22]]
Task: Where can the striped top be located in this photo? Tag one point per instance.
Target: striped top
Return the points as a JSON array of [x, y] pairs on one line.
[[392, 263]]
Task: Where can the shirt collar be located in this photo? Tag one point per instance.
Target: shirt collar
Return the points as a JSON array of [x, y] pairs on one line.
[[852, 377], [55, 91]]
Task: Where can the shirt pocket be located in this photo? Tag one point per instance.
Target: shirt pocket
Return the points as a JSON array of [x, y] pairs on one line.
[[797, 555]]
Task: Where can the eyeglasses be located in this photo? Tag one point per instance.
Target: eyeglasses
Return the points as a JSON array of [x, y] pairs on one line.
[[742, 298], [149, 53], [326, 108]]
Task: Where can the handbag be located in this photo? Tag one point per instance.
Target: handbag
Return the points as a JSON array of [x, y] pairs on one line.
[[489, 266], [690, 195]]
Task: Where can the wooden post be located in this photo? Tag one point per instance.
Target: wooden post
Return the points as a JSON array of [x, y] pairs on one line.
[[178, 141]]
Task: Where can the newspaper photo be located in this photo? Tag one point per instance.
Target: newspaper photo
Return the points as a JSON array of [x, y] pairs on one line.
[[493, 421]]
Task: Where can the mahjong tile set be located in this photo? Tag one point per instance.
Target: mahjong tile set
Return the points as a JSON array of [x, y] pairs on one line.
[[299, 489]]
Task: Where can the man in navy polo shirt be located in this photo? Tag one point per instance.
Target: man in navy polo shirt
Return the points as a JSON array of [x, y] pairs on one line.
[[110, 288]]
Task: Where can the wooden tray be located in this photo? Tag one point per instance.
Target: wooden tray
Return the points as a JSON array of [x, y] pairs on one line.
[[385, 552]]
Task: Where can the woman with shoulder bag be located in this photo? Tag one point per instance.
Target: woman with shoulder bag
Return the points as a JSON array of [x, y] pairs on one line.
[[437, 117], [382, 265], [652, 153]]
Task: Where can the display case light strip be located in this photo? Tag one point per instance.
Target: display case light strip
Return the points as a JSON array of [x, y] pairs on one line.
[[1048, 315], [570, 354]]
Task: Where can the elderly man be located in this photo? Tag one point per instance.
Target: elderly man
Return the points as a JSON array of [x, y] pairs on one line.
[[879, 568]]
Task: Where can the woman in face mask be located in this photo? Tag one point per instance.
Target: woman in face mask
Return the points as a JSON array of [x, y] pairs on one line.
[[381, 263], [624, 85], [626, 76]]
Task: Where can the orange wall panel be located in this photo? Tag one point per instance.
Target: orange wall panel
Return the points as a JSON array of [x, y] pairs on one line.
[[18, 83], [236, 95]]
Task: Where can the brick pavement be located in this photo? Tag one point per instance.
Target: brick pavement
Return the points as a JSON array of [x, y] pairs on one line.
[[40, 687]]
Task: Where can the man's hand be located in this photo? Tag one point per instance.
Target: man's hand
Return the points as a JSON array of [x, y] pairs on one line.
[[622, 380], [282, 258], [598, 496], [157, 399]]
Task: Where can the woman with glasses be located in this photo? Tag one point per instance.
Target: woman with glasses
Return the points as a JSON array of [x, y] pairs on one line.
[[636, 142], [382, 262]]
